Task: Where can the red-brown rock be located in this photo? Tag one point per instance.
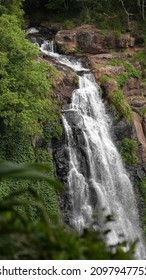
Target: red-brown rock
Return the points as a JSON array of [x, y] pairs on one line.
[[91, 40]]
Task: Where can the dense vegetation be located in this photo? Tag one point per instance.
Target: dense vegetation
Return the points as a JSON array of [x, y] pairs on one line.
[[119, 15], [116, 97], [28, 114]]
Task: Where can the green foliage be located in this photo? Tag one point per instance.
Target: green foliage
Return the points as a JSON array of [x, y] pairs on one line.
[[27, 109], [128, 150], [122, 79], [63, 50], [131, 70], [78, 51], [105, 14], [18, 148], [68, 24], [28, 171], [76, 81], [140, 56], [143, 112], [116, 97], [22, 238], [26, 103], [57, 4], [104, 79], [12, 7], [115, 62], [120, 105]]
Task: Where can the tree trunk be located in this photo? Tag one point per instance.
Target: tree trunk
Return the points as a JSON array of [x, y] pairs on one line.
[[143, 9]]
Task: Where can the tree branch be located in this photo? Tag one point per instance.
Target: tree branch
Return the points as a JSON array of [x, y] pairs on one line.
[[109, 15]]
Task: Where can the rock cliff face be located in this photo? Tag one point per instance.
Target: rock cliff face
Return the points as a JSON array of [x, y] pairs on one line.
[[89, 39]]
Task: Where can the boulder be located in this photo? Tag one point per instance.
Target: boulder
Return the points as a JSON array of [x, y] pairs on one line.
[[125, 41], [109, 70], [91, 40], [66, 40]]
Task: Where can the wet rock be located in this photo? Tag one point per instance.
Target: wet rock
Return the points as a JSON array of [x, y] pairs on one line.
[[122, 130]]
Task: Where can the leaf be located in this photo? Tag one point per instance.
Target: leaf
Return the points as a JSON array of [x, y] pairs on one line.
[[28, 171]]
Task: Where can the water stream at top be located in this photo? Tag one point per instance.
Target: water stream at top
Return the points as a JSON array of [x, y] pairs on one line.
[[106, 179]]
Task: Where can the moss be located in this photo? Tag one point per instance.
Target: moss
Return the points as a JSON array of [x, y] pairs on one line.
[[122, 79], [116, 62], [130, 71], [104, 79], [143, 112], [76, 81], [129, 150]]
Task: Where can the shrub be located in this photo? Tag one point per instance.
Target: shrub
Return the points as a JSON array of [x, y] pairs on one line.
[[128, 150], [68, 24], [120, 105]]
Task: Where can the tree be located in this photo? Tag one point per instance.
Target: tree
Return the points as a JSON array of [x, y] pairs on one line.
[[26, 103], [12, 7]]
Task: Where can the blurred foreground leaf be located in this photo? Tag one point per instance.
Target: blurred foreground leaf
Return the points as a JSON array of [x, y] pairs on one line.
[[28, 171]]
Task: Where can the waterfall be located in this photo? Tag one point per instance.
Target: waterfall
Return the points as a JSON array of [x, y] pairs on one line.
[[106, 178], [99, 184]]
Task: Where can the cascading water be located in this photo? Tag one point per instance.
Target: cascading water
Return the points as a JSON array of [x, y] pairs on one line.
[[104, 187], [106, 177]]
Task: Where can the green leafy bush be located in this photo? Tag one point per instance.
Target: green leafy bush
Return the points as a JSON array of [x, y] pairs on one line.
[[140, 56], [13, 7], [128, 150], [120, 105], [18, 148], [122, 79], [131, 70], [68, 24], [26, 103]]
